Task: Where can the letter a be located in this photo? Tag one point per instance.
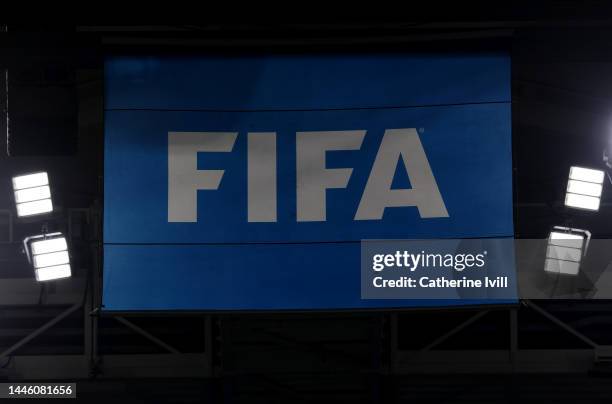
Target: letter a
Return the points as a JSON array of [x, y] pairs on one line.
[[378, 195]]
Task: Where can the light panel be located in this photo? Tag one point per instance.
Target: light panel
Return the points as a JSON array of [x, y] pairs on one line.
[[51, 259], [30, 181], [49, 256], [50, 245], [565, 250], [51, 273], [34, 207], [561, 267], [586, 174], [566, 239], [32, 194], [584, 188], [582, 201]]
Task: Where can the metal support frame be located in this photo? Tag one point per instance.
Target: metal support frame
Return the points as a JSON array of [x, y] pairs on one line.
[[168, 365], [41, 329], [147, 335], [85, 295], [455, 330], [561, 324], [429, 360]]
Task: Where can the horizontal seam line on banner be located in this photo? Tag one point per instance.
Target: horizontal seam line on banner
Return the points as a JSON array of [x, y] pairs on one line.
[[298, 242], [302, 109]]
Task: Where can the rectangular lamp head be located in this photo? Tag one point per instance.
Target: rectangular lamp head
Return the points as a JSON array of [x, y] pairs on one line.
[[32, 194], [584, 188], [49, 256], [565, 250]]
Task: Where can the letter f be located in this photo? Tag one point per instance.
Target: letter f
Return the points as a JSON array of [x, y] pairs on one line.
[[184, 178]]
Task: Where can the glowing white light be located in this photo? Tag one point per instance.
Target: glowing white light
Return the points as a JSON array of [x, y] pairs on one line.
[[32, 194], [49, 256], [561, 267], [48, 246], [565, 250], [30, 181], [51, 259], [51, 273], [566, 239], [582, 202], [584, 188], [586, 174], [34, 207]]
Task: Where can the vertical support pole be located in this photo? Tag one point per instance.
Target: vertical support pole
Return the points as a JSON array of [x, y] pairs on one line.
[[514, 338], [95, 218], [209, 335], [208, 344], [87, 324], [87, 306], [376, 356], [226, 364], [393, 341], [94, 337], [392, 352], [96, 304]]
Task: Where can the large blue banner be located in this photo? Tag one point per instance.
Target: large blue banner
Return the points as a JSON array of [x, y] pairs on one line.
[[248, 183]]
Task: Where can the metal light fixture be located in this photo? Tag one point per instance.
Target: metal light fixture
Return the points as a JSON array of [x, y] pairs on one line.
[[565, 250], [584, 188], [48, 254], [32, 194]]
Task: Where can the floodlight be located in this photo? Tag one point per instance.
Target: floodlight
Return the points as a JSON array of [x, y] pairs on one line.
[[584, 188], [32, 194], [565, 250], [49, 256]]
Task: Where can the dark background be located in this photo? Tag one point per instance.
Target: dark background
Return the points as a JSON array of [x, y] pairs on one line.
[[535, 351]]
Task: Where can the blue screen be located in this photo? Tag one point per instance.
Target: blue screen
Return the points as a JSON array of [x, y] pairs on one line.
[[456, 107]]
